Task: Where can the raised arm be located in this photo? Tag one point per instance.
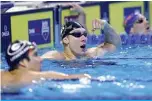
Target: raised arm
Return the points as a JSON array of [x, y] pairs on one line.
[[112, 38], [81, 14]]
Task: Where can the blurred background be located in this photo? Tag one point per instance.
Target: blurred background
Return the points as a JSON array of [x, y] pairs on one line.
[[42, 21]]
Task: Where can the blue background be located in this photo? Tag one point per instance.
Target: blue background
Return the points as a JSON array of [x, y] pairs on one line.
[[38, 37]]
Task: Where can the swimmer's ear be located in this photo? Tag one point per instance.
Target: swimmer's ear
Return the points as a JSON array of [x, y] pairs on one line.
[[23, 63], [65, 40]]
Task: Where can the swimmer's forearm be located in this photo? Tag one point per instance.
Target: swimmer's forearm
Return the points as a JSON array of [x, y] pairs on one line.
[[61, 76], [77, 76], [82, 20], [111, 36]]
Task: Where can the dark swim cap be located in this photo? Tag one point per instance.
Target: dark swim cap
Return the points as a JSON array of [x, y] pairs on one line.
[[68, 27], [17, 51]]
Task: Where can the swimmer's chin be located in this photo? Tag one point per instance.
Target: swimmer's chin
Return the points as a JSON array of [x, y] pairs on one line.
[[82, 53]]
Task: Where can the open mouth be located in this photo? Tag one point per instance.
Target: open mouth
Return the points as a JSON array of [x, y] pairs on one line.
[[83, 46]]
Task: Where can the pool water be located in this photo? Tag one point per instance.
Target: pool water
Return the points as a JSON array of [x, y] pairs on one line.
[[125, 74]]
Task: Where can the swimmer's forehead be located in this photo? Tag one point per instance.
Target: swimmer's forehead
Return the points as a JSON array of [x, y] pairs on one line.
[[78, 30]]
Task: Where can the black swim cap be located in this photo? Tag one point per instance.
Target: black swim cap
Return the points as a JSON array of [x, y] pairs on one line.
[[68, 27], [17, 51]]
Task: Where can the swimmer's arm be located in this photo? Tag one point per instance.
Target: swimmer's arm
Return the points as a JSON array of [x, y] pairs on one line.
[[60, 76], [112, 40], [111, 36], [81, 16], [82, 19]]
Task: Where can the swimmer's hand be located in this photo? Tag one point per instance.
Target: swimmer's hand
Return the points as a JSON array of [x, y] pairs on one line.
[[78, 76], [76, 8], [98, 24]]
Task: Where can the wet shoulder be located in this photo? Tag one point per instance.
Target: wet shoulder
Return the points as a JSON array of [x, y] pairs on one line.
[[91, 52], [53, 55], [95, 51]]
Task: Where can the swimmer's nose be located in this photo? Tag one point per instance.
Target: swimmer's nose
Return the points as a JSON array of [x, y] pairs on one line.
[[84, 40]]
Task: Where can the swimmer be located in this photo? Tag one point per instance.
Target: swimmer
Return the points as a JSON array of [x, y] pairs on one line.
[[136, 23], [74, 39], [24, 66]]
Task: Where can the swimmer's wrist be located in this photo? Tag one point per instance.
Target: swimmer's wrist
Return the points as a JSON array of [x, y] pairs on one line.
[[104, 23]]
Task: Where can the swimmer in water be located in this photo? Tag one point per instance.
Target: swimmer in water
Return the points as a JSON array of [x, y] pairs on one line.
[[74, 39], [24, 67]]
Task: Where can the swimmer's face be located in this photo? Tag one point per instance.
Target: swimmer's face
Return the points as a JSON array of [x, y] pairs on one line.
[[77, 41], [141, 25], [35, 61]]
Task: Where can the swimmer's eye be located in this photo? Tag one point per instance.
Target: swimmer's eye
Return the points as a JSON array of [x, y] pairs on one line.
[[139, 21], [78, 34]]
